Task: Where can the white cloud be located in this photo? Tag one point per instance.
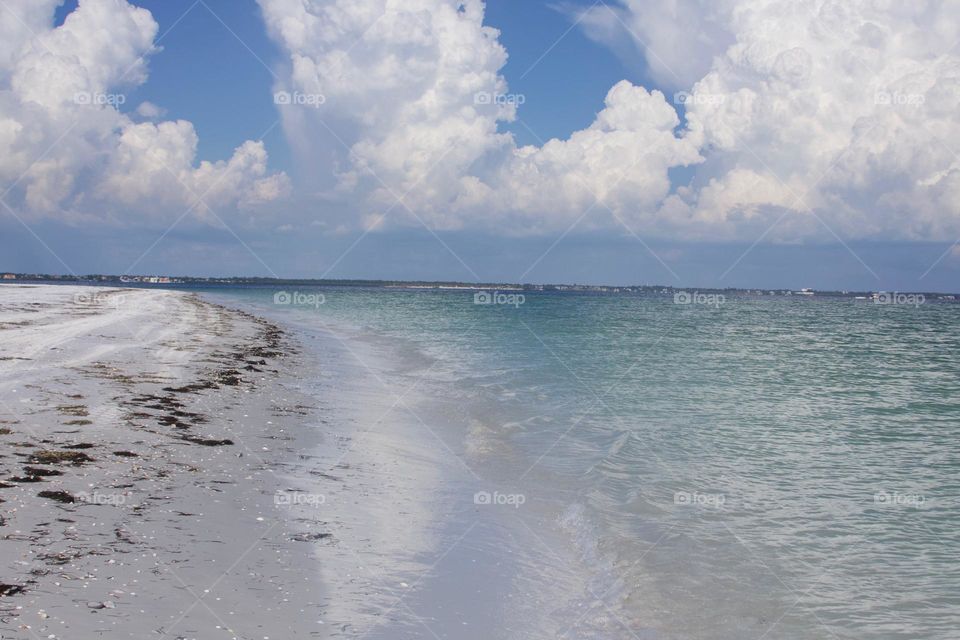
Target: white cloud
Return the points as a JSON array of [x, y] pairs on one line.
[[17, 30], [150, 111], [414, 91], [64, 140], [676, 40], [845, 107], [787, 114], [621, 160], [839, 113]]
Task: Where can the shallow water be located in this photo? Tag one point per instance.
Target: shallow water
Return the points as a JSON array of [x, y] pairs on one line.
[[762, 468]]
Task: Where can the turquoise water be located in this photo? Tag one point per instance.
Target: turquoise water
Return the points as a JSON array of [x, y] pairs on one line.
[[768, 467]]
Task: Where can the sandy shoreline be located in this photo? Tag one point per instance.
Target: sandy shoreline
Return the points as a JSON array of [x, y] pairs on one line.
[[142, 434], [212, 475]]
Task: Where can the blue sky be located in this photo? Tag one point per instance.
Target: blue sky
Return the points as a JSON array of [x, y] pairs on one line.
[[220, 81], [207, 75], [219, 67]]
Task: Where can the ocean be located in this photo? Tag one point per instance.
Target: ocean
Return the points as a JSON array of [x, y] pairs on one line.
[[578, 465]]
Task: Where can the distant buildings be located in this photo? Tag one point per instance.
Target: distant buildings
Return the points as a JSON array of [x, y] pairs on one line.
[[42, 277], [149, 279]]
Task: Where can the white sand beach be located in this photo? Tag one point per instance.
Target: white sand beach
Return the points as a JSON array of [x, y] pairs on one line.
[[141, 436]]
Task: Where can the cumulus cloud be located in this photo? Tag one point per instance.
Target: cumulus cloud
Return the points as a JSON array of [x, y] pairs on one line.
[[841, 112], [818, 117], [676, 40], [413, 94], [66, 144], [150, 111], [619, 164], [795, 119]]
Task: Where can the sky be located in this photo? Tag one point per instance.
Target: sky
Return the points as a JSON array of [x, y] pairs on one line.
[[753, 143]]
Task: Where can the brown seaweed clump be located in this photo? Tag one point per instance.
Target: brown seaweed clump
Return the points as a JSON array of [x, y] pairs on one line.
[[52, 456], [59, 496], [11, 589]]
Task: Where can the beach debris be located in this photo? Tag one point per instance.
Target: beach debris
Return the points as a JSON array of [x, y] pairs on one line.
[[59, 496], [325, 475], [11, 589], [56, 558], [40, 471], [78, 410], [207, 442], [309, 537], [22, 479], [172, 421], [123, 536], [192, 388], [52, 456], [126, 454], [106, 604], [229, 377]]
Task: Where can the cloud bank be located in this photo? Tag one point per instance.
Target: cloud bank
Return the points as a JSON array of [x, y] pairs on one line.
[[413, 92], [818, 118], [68, 150], [794, 120]]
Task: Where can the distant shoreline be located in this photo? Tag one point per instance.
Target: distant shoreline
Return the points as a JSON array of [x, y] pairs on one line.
[[655, 289]]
